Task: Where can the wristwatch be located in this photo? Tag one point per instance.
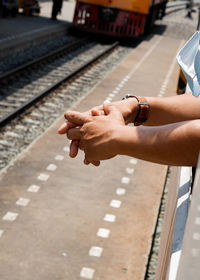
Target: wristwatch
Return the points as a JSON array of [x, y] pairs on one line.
[[142, 109]]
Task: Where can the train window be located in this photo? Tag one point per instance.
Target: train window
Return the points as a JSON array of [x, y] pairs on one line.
[[126, 20], [111, 28], [117, 29], [79, 13], [121, 29], [130, 21]]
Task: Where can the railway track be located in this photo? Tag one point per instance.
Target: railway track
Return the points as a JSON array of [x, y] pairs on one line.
[[31, 100], [30, 121], [25, 85], [29, 83], [12, 138]]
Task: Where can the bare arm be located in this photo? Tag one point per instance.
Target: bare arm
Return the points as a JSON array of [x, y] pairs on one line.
[[106, 136], [162, 110], [169, 110], [173, 109], [173, 144]]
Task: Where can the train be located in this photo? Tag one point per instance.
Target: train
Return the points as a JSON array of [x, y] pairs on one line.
[[127, 18]]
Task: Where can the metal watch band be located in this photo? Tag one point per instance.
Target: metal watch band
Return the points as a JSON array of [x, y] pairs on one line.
[[142, 109]]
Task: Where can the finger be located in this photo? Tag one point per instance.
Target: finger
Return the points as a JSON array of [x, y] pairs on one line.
[[96, 112], [74, 133], [73, 148], [86, 161], [65, 127], [77, 117], [94, 162], [81, 145]]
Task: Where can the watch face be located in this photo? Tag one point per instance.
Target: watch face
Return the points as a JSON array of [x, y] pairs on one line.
[[143, 112]]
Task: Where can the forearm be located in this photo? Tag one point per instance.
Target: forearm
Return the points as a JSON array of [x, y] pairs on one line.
[[173, 109], [174, 144]]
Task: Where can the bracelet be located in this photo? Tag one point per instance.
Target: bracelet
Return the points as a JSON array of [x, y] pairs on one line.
[[142, 109]]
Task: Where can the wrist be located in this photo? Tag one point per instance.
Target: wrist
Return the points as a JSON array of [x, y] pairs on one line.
[[123, 139], [131, 104], [143, 109]]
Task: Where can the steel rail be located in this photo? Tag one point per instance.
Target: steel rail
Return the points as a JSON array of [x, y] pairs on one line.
[[42, 94], [45, 57]]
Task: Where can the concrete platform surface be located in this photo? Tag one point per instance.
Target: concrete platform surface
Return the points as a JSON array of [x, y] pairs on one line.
[[63, 220], [24, 31]]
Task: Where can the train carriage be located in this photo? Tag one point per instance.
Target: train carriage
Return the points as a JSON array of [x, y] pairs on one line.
[[127, 18]]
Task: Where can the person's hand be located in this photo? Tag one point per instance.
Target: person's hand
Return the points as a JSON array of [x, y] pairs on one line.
[[74, 145], [96, 134], [128, 109]]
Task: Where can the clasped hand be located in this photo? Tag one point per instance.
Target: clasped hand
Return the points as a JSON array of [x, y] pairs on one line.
[[94, 132]]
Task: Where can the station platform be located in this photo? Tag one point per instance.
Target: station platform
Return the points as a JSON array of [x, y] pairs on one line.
[[62, 220], [22, 31]]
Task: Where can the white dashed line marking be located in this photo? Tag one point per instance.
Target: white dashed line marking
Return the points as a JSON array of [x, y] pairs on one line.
[[115, 91], [169, 73], [43, 177], [133, 161], [111, 95], [197, 221], [115, 203], [1, 232], [120, 191], [87, 273], [196, 236], [109, 99], [10, 216], [59, 157], [103, 232], [125, 180], [194, 252], [130, 170], [110, 218], [23, 201], [66, 149], [33, 188], [51, 167], [126, 78], [95, 251]]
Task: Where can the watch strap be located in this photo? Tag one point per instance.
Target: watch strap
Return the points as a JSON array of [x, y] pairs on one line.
[[142, 109]]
